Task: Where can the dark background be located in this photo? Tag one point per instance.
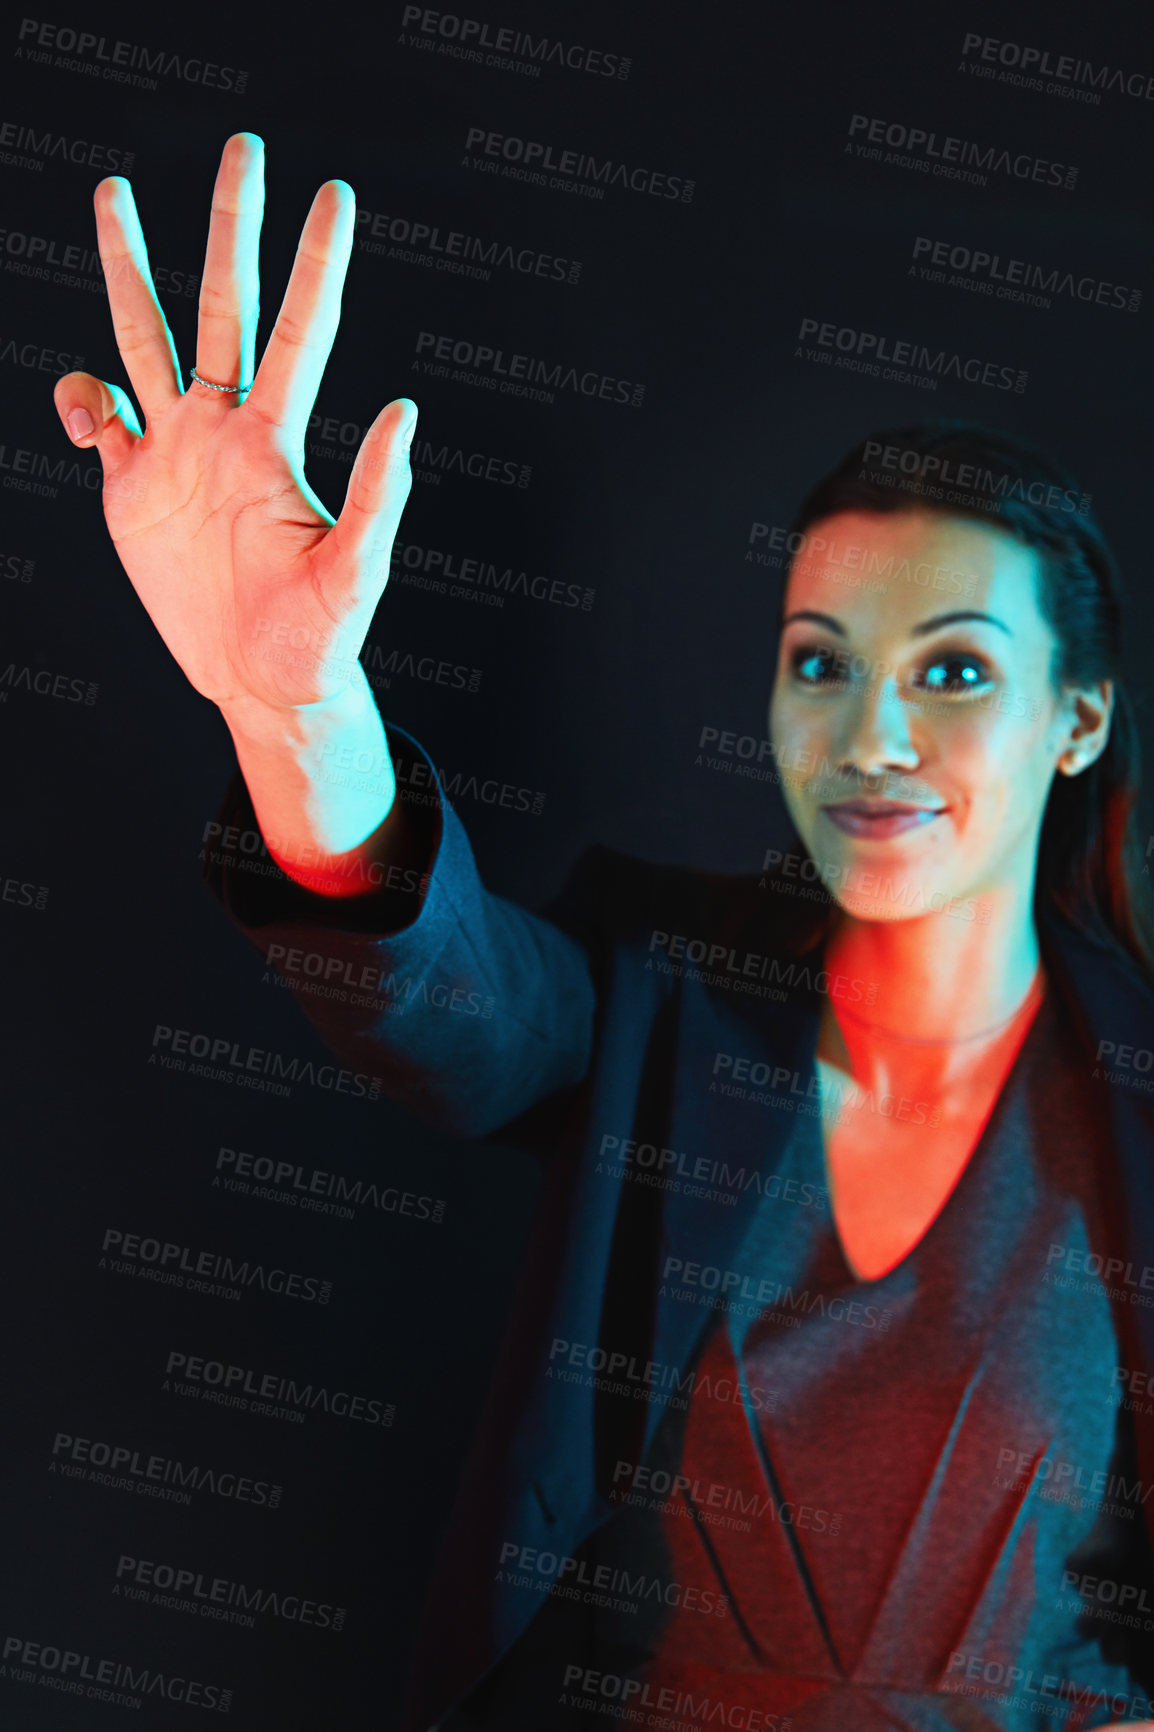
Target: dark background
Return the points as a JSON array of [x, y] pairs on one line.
[[106, 803]]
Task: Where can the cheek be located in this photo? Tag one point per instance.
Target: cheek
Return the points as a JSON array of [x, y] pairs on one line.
[[795, 726], [797, 747], [997, 762]]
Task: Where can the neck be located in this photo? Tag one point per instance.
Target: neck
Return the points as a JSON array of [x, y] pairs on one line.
[[941, 977]]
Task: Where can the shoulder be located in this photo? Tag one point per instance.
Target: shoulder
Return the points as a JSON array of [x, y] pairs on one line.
[[1108, 995]]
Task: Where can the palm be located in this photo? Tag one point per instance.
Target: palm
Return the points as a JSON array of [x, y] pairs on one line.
[[223, 546], [256, 591]]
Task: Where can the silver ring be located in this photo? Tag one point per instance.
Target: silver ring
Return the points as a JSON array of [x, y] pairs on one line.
[[197, 380]]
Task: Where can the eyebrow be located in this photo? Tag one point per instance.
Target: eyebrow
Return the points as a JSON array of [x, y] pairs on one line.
[[927, 625]]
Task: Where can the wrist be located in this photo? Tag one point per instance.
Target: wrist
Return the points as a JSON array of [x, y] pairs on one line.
[[321, 781], [298, 727]]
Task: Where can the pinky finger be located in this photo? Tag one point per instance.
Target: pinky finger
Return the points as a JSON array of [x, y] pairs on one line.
[[100, 415]]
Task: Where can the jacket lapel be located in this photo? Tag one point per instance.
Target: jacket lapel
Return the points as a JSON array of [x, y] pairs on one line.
[[732, 1137]]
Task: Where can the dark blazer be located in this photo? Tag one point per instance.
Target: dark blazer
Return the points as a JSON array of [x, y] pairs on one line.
[[592, 1035]]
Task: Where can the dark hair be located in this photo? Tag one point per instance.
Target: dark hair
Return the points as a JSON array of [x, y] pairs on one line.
[[1089, 854]]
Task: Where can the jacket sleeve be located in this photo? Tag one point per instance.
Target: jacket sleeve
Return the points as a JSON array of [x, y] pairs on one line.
[[467, 1008]]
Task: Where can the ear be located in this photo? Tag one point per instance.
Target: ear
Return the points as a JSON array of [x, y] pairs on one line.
[[1091, 709]]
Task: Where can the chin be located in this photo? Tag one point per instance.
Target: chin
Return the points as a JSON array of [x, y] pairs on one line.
[[895, 898], [887, 891]]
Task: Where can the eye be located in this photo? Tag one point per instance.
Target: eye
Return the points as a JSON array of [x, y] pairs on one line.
[[813, 665], [952, 674]]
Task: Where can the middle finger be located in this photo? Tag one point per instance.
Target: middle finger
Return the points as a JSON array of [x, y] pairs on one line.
[[230, 290]]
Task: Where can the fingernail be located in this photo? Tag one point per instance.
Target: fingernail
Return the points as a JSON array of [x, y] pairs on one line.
[[80, 423], [410, 429]]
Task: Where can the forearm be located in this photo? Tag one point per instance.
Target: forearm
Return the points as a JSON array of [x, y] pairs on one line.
[[465, 1007], [322, 786]]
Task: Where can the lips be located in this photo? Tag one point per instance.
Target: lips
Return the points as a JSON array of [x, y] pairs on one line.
[[878, 820]]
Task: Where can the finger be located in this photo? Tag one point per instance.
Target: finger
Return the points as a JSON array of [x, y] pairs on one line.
[[96, 414], [354, 555], [290, 370], [230, 290], [142, 333]]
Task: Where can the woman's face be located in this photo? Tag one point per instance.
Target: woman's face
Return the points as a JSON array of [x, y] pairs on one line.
[[914, 723]]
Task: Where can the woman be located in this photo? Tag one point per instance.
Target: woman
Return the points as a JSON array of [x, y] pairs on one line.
[[813, 1414]]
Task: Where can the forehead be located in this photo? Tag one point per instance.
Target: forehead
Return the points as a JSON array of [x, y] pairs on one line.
[[874, 570]]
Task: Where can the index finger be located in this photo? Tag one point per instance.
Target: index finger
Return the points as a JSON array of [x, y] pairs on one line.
[[142, 333], [290, 370]]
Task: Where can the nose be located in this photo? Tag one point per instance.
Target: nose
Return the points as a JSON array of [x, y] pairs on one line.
[[875, 735]]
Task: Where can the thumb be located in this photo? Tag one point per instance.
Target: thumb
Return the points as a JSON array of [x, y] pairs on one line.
[[355, 552], [96, 414]]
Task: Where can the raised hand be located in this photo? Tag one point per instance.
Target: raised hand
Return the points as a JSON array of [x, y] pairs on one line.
[[260, 596]]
